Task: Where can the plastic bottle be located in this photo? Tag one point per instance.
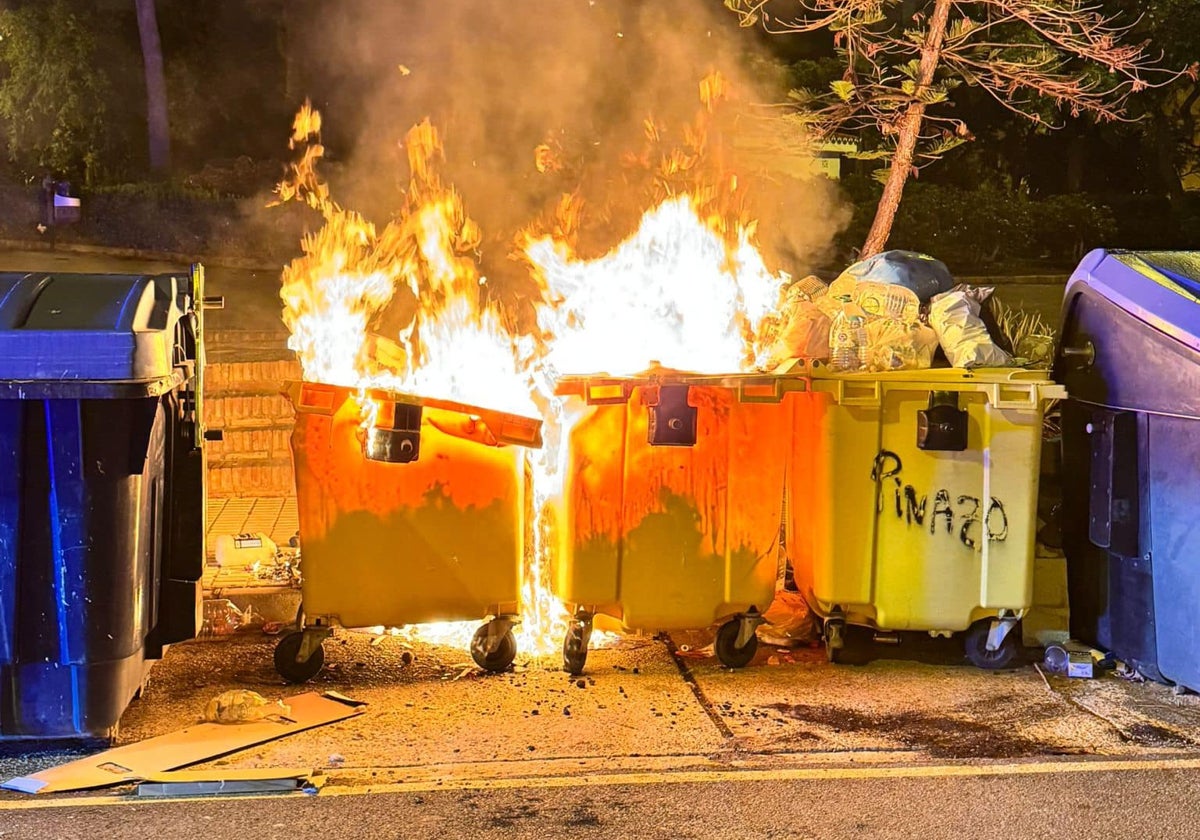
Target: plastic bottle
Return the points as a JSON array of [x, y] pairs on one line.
[[848, 338], [221, 618]]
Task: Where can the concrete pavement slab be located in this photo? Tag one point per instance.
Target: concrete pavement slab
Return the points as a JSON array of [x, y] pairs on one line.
[[935, 711]]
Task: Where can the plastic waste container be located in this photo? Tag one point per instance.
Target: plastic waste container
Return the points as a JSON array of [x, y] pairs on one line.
[[670, 512], [412, 510], [912, 502], [101, 491], [1130, 358]]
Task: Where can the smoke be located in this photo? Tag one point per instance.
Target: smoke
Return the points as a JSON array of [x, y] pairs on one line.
[[500, 78]]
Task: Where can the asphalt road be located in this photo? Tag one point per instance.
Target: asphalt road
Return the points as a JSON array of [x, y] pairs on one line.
[[933, 805]]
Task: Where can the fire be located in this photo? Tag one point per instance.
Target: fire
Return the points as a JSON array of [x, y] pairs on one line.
[[419, 269], [676, 292], [404, 307]]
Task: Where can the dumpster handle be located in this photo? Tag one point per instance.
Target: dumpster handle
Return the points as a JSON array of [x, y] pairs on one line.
[[1027, 398], [606, 393], [311, 397], [770, 390], [865, 393]]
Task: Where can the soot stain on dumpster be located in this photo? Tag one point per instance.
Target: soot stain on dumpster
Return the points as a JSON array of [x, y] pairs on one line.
[[940, 735]]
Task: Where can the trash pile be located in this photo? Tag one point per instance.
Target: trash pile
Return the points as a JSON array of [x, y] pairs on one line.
[[893, 311]]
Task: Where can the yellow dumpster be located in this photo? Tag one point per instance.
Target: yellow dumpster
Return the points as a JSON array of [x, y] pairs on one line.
[[411, 511], [912, 501], [671, 506]]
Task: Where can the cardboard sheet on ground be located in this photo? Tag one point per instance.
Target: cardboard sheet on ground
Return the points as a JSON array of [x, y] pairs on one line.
[[191, 745]]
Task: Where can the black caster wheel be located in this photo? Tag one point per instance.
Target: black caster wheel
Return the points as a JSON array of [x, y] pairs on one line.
[[835, 641], [726, 648], [575, 648], [497, 660], [285, 659], [975, 644]]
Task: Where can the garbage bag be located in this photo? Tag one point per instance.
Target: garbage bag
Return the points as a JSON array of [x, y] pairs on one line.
[[964, 337], [802, 331], [804, 336], [242, 706], [897, 345], [919, 273], [790, 623]]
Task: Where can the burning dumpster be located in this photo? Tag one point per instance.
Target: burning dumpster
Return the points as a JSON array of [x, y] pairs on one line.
[[412, 510], [670, 512], [101, 491], [912, 502]]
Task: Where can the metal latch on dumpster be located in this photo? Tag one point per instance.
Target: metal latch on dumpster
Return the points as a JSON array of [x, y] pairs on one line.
[[942, 427], [672, 420], [395, 436]]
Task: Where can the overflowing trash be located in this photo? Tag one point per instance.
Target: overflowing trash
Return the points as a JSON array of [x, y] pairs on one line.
[[893, 311]]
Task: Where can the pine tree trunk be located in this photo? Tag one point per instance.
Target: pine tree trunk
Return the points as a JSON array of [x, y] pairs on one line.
[[889, 202], [908, 134], [156, 87]]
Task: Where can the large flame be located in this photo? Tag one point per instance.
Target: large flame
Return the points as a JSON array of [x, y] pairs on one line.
[[676, 292], [418, 273], [401, 307]]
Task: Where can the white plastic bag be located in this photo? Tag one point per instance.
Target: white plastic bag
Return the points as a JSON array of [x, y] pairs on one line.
[[964, 337]]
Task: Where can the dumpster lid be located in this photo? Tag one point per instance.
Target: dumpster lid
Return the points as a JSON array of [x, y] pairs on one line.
[[1161, 288], [93, 327], [602, 387], [506, 428]]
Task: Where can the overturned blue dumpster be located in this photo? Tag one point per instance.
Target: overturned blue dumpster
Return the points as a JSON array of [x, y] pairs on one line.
[[101, 491], [1130, 358]]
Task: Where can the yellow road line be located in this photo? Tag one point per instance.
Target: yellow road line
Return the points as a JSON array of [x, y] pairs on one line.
[[783, 774]]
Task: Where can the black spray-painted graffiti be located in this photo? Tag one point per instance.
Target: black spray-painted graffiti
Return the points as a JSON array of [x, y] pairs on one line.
[[966, 511]]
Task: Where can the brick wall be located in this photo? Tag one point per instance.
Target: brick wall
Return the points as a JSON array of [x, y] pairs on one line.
[[244, 401]]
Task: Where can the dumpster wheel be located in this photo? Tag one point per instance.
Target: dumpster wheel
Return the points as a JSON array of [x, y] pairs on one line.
[[726, 648], [286, 665], [575, 646], [835, 639], [498, 658], [975, 643]]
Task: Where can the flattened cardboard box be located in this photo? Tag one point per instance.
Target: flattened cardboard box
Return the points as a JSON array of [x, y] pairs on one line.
[[191, 745]]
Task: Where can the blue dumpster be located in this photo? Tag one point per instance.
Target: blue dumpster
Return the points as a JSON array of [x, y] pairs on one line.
[[1130, 358], [101, 491]]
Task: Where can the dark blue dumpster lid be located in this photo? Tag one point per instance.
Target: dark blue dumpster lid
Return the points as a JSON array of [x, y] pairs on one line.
[[1161, 288], [94, 327]]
